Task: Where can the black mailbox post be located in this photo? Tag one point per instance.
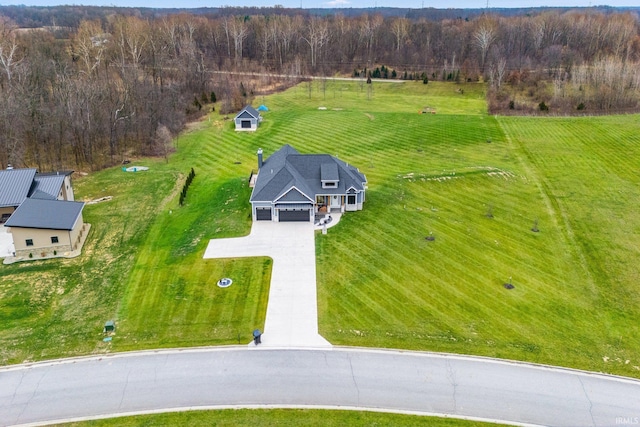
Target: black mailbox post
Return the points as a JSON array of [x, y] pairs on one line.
[[256, 336]]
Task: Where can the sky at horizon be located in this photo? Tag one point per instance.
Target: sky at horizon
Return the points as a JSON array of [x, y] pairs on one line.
[[415, 4]]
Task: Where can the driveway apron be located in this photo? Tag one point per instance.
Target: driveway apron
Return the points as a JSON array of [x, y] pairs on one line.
[[292, 310]]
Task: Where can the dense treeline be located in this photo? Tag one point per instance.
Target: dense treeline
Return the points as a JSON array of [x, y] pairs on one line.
[[72, 15], [121, 85]]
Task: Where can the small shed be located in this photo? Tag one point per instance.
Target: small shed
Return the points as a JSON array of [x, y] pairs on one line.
[[247, 119]]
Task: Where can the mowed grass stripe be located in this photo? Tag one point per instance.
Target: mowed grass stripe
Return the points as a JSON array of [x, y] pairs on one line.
[[380, 283]]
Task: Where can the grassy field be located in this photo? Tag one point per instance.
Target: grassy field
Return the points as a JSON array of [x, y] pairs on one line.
[[142, 265], [476, 183], [575, 297], [282, 418]]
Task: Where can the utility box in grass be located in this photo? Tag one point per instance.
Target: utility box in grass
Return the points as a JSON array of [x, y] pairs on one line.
[[109, 326]]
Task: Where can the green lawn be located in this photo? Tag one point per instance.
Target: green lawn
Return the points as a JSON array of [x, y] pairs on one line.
[[142, 265], [282, 418], [478, 184]]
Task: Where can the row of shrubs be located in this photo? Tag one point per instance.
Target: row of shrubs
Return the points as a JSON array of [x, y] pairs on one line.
[[544, 107], [42, 254], [186, 185]]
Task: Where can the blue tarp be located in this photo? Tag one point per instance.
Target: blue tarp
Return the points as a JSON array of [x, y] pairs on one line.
[[262, 108]]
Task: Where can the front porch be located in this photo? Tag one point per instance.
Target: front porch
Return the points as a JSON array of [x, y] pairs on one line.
[[336, 203]]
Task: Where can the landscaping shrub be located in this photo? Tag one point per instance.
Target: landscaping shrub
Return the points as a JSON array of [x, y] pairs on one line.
[[185, 187]]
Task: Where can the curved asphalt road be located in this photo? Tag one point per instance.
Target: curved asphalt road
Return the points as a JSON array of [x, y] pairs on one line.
[[394, 381]]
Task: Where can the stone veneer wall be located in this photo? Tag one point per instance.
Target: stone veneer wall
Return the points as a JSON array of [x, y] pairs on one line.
[[44, 252]]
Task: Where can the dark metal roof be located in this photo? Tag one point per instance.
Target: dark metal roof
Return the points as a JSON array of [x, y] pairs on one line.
[[15, 185], [48, 184], [42, 195], [49, 214], [248, 109], [286, 168], [56, 173]]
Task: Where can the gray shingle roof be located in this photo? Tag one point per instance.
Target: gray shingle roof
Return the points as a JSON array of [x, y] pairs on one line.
[[49, 214], [329, 172], [292, 196], [15, 185], [287, 168]]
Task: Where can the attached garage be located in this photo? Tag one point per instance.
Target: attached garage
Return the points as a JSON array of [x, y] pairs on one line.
[[263, 214], [297, 215], [298, 212]]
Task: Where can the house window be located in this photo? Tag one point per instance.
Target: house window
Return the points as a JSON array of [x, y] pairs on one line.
[[29, 242], [54, 239], [330, 184], [351, 199]]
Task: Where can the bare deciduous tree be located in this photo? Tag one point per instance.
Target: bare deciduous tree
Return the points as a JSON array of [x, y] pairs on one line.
[[399, 28], [8, 47], [483, 37], [89, 45], [316, 37]]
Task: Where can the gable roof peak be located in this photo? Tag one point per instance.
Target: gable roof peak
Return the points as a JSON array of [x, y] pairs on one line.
[[249, 109]]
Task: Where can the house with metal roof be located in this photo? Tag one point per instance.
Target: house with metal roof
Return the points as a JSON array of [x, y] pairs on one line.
[[39, 212], [296, 187], [15, 185], [45, 228], [53, 184], [247, 119]]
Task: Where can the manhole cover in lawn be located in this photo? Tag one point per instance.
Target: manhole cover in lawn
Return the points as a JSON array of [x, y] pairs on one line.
[[225, 283]]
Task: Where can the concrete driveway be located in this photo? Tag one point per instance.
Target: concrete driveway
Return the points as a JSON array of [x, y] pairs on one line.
[[292, 310]]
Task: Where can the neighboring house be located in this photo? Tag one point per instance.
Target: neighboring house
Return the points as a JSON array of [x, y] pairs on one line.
[[295, 187], [53, 184], [15, 185], [247, 119], [39, 211], [43, 227]]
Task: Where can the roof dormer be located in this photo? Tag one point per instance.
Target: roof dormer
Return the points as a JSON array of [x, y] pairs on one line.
[[329, 175]]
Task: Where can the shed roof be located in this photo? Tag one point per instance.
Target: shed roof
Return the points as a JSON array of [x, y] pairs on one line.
[[15, 185], [250, 110], [46, 214]]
